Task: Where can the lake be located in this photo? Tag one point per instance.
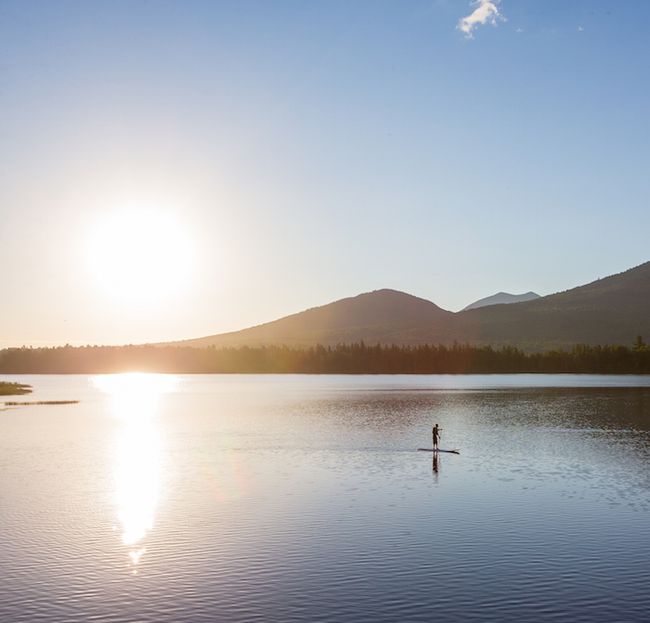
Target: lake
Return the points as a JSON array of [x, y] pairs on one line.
[[303, 498]]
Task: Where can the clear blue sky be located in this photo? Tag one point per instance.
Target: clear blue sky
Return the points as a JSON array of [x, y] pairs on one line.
[[315, 150]]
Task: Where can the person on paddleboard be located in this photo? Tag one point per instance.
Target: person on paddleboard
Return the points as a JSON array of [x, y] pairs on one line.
[[436, 436]]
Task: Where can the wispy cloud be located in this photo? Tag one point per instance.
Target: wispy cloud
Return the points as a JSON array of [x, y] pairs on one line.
[[486, 12]]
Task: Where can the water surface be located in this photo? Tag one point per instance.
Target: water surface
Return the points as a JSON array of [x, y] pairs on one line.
[[303, 498]]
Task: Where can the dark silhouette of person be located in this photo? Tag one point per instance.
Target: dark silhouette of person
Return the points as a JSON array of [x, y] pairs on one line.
[[436, 436]]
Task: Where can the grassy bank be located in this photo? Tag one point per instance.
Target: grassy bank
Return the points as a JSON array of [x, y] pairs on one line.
[[14, 389]]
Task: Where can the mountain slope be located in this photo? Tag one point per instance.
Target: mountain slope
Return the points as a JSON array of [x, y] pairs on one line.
[[386, 316], [502, 298], [613, 310]]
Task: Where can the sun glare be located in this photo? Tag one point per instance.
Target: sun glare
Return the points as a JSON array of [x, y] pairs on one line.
[[139, 256], [138, 452]]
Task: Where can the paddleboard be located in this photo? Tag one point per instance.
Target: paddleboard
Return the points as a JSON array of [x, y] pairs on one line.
[[438, 450]]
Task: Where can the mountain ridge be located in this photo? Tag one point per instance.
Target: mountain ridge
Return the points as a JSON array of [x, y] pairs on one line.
[[502, 298], [611, 310], [398, 311]]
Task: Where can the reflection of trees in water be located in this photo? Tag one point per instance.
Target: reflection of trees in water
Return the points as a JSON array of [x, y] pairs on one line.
[[557, 437], [616, 408], [391, 410]]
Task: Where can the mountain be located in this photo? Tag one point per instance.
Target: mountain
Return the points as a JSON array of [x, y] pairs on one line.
[[386, 316], [502, 298], [613, 310]]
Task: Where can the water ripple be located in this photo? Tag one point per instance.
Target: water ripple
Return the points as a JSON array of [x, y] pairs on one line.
[[244, 500]]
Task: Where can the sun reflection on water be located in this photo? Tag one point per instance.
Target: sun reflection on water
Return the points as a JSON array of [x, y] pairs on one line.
[[135, 399]]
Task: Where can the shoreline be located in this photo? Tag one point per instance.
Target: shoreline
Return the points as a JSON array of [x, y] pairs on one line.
[[10, 388]]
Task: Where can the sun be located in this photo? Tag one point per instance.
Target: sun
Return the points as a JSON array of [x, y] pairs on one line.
[[139, 256]]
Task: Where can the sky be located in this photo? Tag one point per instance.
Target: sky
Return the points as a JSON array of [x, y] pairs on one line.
[[174, 169]]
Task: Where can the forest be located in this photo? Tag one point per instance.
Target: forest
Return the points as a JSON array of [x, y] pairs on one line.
[[357, 358]]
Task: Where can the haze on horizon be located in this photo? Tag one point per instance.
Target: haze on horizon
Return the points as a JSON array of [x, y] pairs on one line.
[[179, 169]]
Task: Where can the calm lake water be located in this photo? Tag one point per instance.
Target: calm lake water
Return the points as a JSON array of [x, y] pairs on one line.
[[303, 498]]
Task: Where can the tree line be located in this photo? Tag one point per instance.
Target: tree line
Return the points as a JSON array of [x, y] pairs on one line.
[[357, 358]]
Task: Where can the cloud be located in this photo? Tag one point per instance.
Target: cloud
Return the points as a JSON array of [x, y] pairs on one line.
[[486, 12]]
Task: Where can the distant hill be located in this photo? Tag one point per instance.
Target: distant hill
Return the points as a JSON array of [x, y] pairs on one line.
[[613, 310], [385, 316], [502, 298]]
